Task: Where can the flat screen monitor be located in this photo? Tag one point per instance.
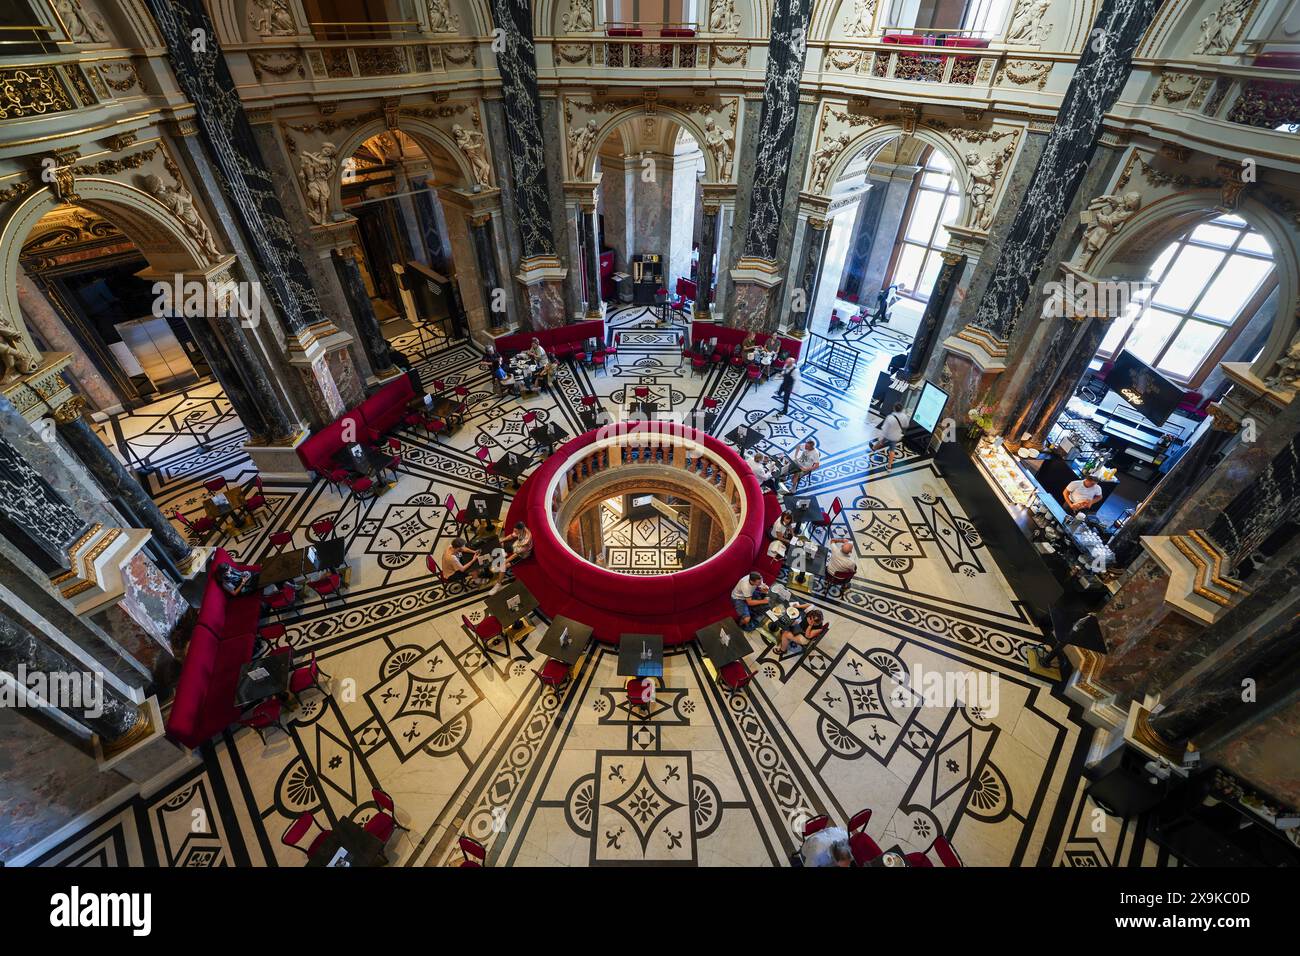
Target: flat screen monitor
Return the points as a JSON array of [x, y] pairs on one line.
[[929, 408], [1152, 395]]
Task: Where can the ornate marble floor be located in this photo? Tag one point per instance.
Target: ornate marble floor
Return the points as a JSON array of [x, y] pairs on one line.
[[467, 744]]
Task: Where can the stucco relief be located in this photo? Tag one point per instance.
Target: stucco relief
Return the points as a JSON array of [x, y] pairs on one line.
[[271, 18], [712, 123]]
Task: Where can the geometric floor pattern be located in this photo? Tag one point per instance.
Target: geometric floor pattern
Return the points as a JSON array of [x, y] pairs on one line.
[[472, 744]]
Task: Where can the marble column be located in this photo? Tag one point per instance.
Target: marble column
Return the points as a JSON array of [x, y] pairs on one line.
[[116, 481], [281, 428], [363, 314], [704, 272], [517, 64], [23, 655], [1255, 642], [587, 223], [816, 237], [317, 349], [481, 235], [1100, 75], [1048, 400], [229, 376], [927, 332], [43, 317], [1182, 480]]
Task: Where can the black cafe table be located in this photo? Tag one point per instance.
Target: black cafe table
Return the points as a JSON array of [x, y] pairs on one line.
[[484, 506], [814, 563], [370, 463], [803, 508], [736, 648], [702, 420], [744, 437], [511, 604], [362, 848], [593, 419], [278, 667], [644, 410], [291, 565], [578, 634], [544, 436], [512, 465], [631, 663]]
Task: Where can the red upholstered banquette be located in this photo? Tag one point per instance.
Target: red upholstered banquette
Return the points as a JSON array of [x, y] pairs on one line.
[[674, 605], [726, 335], [561, 342], [221, 643], [368, 422]]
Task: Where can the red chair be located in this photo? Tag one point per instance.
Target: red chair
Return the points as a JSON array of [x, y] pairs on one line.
[[199, 528], [736, 675], [722, 355], [329, 585], [215, 485], [917, 859], [279, 539], [458, 514], [699, 363], [816, 823], [363, 487], [383, 823], [710, 404], [639, 691], [297, 830], [431, 563], [255, 504], [553, 673], [265, 716], [308, 676], [489, 468], [828, 517], [754, 372], [474, 853], [589, 401], [642, 392], [435, 426], [337, 477], [322, 528], [439, 385], [486, 631], [273, 634], [839, 581], [864, 848], [946, 853], [281, 600]]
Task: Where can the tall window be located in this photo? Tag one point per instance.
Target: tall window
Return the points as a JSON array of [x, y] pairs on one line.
[[985, 17], [934, 204], [1210, 282]]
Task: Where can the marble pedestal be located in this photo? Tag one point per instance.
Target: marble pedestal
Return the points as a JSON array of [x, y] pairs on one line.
[[279, 461], [145, 756]]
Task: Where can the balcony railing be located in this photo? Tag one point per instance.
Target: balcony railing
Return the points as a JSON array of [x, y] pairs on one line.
[[364, 30]]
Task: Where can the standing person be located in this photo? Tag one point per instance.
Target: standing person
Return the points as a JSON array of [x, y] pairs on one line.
[[891, 433], [788, 376]]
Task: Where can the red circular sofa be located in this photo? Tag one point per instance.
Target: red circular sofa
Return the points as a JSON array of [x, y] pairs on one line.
[[675, 605]]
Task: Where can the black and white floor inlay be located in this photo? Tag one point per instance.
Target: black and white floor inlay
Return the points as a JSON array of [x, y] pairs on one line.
[[468, 743]]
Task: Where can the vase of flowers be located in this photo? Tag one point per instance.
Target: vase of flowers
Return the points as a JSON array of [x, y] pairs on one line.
[[981, 419]]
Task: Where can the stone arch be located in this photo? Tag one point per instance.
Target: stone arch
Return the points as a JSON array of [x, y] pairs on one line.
[[431, 139], [616, 120], [159, 236], [1129, 253], [874, 139], [755, 16]]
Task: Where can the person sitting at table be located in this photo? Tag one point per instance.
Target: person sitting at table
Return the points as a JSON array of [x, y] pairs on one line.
[[521, 543], [804, 631], [505, 380], [841, 560], [806, 460], [783, 527], [767, 357], [749, 593], [1082, 494], [458, 560], [761, 468], [827, 847], [235, 581], [536, 353]]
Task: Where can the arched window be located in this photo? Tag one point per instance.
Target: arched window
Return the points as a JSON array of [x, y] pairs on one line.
[[934, 203], [1209, 284]]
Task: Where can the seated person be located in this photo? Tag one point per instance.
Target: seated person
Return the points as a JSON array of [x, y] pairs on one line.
[[827, 847], [804, 631], [1082, 494], [458, 559], [806, 460], [783, 528], [536, 353], [767, 356], [841, 560], [235, 581], [749, 593], [759, 465], [490, 357], [505, 380], [522, 542]]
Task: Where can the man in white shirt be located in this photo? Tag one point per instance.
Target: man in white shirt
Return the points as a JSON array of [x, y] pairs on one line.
[[1081, 495], [806, 460], [841, 560], [748, 594], [891, 433]]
